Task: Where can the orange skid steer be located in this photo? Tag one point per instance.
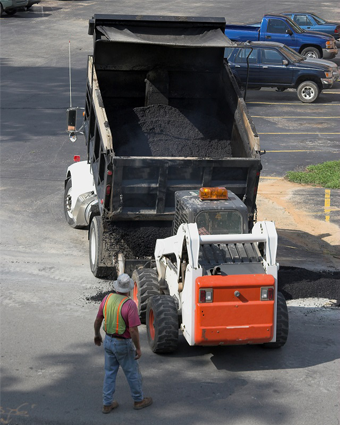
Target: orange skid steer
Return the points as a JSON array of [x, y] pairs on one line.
[[214, 281]]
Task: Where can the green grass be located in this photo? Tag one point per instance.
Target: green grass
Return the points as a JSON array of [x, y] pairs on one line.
[[325, 175]]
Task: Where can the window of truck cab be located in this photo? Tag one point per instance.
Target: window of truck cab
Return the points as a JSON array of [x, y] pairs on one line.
[[217, 222], [271, 56], [243, 53], [302, 20]]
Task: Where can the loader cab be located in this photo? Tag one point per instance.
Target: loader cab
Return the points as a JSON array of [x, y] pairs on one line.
[[227, 215]]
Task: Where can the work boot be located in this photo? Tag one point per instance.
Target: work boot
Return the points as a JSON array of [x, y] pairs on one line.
[[107, 409], [141, 404]]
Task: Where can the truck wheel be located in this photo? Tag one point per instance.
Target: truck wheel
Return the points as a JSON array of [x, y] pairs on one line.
[[96, 248], [67, 205], [162, 324], [1, 9], [282, 325], [146, 286], [308, 91], [311, 52]]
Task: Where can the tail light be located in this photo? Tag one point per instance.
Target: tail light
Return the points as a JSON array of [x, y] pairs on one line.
[[76, 158], [206, 295], [267, 294], [108, 189]]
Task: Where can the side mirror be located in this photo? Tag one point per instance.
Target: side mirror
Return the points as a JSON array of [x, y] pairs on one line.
[[71, 119], [289, 31], [285, 62], [72, 124]]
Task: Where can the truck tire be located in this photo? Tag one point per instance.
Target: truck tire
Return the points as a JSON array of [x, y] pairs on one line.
[[146, 286], [311, 52], [96, 249], [162, 324], [282, 325], [308, 92], [1, 9], [67, 205]]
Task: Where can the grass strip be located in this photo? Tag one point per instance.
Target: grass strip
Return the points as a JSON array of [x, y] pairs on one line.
[[326, 175]]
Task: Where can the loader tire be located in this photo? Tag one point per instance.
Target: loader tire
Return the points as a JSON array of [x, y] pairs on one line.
[[162, 324], [96, 249], [282, 324], [146, 286]]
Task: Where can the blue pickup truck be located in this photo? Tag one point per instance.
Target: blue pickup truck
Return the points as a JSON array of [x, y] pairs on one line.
[[282, 29], [312, 22]]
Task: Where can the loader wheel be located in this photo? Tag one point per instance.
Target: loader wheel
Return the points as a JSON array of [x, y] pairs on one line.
[[282, 324], [146, 286], [162, 324], [96, 249], [67, 205]]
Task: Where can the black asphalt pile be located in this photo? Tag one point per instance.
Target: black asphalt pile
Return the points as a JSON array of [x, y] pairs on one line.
[[164, 131], [136, 239], [297, 283]]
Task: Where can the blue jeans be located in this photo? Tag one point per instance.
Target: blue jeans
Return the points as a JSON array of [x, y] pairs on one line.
[[121, 352]]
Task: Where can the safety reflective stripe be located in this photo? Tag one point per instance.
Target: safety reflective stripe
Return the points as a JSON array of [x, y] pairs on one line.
[[118, 311], [105, 308]]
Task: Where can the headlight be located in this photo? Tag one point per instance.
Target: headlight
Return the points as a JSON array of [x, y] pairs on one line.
[[329, 44], [329, 74]]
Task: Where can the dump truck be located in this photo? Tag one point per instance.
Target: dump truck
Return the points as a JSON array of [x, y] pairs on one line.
[[162, 114], [213, 279]]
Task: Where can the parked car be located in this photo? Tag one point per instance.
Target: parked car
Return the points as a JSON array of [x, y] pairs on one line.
[[312, 22], [10, 7], [270, 64], [281, 29]]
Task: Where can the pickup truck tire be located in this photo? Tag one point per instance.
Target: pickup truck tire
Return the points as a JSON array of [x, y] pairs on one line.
[[162, 324], [282, 324], [311, 52], [308, 91], [146, 286], [97, 249]]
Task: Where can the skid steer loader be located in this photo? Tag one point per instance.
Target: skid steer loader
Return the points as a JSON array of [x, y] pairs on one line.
[[213, 279]]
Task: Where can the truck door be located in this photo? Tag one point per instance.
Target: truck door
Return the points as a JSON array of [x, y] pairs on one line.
[[241, 66], [277, 31], [273, 71]]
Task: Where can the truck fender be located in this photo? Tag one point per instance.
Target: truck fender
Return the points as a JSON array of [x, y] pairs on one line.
[[81, 176]]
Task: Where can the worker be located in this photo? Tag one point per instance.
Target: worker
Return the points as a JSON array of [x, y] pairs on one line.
[[121, 344]]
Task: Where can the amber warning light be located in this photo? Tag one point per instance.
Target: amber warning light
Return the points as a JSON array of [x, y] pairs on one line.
[[213, 193]]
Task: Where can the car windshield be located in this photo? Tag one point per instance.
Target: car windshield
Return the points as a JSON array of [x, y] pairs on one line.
[[294, 25], [219, 222], [319, 21], [291, 54]]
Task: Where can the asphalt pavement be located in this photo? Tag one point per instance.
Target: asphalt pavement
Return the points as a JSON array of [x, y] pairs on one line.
[[51, 372]]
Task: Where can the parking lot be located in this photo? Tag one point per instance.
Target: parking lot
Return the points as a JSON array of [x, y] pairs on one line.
[[51, 372]]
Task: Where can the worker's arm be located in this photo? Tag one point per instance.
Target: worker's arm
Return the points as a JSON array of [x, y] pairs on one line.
[[135, 339], [97, 337]]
